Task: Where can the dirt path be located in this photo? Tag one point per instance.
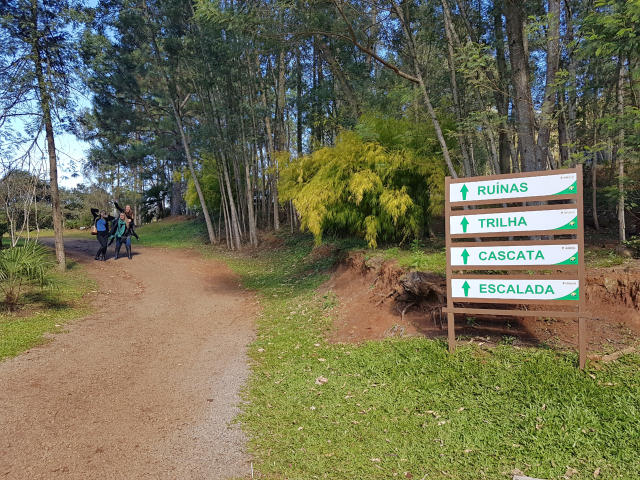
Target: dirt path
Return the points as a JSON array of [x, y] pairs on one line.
[[145, 387]]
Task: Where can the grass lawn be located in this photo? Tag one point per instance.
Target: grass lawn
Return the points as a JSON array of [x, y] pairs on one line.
[[406, 408], [45, 310], [171, 234]]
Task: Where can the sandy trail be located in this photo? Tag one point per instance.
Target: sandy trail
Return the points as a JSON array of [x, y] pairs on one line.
[[145, 387]]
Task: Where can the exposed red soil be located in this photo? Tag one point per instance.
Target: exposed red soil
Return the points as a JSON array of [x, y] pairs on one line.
[[371, 300], [146, 387]]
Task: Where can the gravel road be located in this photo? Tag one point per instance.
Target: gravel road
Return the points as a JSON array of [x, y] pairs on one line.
[[146, 387]]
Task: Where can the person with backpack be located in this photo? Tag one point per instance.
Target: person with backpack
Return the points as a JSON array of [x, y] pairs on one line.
[[122, 231], [101, 223]]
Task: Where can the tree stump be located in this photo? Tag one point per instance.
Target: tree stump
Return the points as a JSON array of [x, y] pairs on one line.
[[425, 286]]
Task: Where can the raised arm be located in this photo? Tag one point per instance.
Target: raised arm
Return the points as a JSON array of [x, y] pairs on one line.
[[115, 202]]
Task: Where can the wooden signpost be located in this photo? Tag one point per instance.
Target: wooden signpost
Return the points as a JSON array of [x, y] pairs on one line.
[[531, 216]]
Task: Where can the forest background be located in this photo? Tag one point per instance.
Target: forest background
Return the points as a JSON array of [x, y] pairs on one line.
[[338, 117]]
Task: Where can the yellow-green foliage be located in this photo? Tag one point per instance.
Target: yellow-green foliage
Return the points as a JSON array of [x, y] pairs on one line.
[[208, 177], [363, 188]]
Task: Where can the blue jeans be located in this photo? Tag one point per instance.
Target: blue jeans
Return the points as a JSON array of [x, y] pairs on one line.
[[125, 240]]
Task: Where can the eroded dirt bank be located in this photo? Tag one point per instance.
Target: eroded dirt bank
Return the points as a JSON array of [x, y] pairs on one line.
[[372, 299], [145, 387]]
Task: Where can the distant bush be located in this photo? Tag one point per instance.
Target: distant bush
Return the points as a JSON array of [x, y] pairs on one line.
[[362, 187]]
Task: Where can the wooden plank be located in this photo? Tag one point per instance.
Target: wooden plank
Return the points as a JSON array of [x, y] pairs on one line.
[[582, 323], [551, 276], [498, 243], [509, 176], [545, 198], [516, 234], [530, 208], [564, 268], [515, 313], [450, 318]]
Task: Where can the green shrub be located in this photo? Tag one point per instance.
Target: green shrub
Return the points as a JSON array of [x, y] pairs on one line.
[[22, 265], [363, 188]]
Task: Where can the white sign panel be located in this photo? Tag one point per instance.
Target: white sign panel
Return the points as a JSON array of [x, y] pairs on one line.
[[514, 254], [538, 186], [514, 222], [502, 288]]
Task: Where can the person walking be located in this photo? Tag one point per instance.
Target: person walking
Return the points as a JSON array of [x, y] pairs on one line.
[[101, 221], [122, 231]]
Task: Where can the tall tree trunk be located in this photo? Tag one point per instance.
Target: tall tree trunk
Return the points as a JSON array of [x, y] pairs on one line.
[[454, 86], [299, 102], [502, 95], [573, 85], [417, 79], [594, 168], [45, 105], [235, 228], [418, 75], [176, 189], [549, 103], [253, 236], [621, 209], [178, 120], [519, 59]]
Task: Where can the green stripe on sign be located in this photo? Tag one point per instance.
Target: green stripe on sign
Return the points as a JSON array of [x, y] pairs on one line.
[[575, 295], [573, 188], [573, 260], [572, 225]]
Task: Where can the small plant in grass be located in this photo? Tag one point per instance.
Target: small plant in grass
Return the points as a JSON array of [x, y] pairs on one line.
[[471, 321], [391, 253], [330, 300], [416, 245], [21, 266]]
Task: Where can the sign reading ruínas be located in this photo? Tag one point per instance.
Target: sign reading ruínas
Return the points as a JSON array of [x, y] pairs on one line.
[[514, 254], [503, 288], [527, 221], [509, 188]]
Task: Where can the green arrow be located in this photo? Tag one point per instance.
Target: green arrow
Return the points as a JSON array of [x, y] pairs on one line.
[[466, 288], [465, 255], [464, 224], [464, 192]]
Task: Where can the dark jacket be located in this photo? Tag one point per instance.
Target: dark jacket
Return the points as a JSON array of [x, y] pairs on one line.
[[128, 231], [96, 216], [121, 210]]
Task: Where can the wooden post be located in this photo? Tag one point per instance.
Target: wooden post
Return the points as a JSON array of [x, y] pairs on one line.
[[451, 328], [582, 308]]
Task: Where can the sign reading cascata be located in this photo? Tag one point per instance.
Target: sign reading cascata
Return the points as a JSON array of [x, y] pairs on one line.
[[538, 186], [532, 221], [525, 255], [515, 289]]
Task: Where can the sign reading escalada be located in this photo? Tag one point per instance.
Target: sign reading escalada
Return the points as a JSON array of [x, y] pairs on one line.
[[504, 288]]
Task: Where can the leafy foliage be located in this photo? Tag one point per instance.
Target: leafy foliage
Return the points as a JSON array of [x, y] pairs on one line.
[[380, 191], [22, 265]]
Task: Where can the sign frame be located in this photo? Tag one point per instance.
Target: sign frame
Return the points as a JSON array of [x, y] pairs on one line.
[[561, 272]]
